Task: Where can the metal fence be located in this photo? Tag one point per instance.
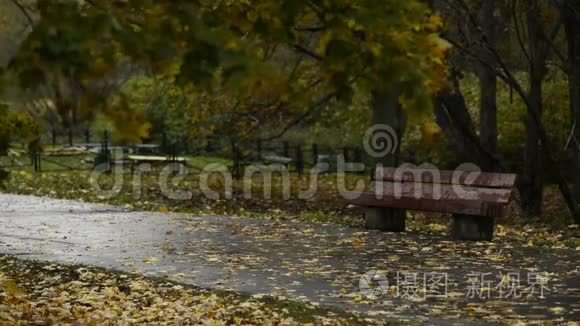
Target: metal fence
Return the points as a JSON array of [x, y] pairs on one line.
[[68, 151], [65, 150]]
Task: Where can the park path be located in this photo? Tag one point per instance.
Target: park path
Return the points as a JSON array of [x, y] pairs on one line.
[[314, 262]]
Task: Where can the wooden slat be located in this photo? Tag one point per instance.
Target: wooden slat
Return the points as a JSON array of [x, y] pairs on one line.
[[484, 179], [442, 192], [467, 207]]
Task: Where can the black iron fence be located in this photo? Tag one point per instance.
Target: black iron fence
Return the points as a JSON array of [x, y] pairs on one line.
[[69, 151], [85, 149]]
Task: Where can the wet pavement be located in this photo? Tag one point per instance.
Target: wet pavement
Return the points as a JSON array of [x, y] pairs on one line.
[[313, 262]]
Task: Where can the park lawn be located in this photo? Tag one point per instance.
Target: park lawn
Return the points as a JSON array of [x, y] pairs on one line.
[[82, 161], [327, 206], [34, 292], [200, 162]]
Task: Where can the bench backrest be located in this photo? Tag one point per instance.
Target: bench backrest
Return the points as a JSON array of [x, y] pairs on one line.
[[473, 179], [445, 186]]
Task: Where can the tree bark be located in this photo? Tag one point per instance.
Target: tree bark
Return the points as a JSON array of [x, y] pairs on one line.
[[451, 112], [571, 17], [388, 111], [488, 83], [531, 185], [453, 117]]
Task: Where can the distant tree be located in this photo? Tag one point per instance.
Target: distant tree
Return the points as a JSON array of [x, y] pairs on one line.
[[488, 80], [534, 51], [571, 17]]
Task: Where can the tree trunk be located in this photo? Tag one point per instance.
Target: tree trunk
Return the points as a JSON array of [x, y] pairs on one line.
[[571, 17], [451, 112], [488, 84], [388, 111], [453, 117], [531, 185]]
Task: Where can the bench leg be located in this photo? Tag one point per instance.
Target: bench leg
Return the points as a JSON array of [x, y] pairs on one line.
[[385, 219], [474, 228]]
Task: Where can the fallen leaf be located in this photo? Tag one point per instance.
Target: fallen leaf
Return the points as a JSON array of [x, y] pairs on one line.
[[151, 260]]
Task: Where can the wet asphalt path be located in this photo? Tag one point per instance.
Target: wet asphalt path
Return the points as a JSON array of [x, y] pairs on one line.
[[314, 262]]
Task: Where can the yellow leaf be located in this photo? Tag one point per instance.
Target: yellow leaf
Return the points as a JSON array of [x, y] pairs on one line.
[[430, 131], [150, 260], [14, 301], [375, 48], [557, 310], [164, 209], [11, 288]]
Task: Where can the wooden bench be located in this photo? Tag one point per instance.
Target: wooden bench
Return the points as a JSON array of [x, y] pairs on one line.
[[475, 199]]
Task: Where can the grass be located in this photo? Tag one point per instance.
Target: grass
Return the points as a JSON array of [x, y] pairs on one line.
[[53, 162], [200, 162], [80, 161]]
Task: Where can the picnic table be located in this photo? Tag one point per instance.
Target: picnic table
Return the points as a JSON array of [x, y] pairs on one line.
[[135, 160], [154, 159]]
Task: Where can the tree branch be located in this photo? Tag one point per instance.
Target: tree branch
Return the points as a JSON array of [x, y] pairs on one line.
[[313, 29], [320, 103], [307, 52], [562, 183], [519, 33], [24, 12], [549, 41]]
